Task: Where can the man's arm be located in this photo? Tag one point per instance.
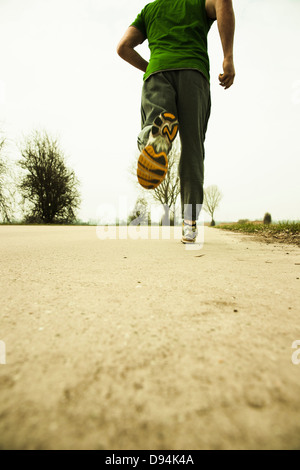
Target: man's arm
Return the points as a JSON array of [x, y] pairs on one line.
[[222, 10], [126, 48]]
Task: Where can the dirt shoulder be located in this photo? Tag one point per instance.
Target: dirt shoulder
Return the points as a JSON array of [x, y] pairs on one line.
[[285, 238], [263, 233]]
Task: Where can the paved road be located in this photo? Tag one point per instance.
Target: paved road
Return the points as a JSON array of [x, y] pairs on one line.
[[141, 344]]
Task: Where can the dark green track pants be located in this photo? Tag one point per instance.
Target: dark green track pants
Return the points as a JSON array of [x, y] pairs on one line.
[[186, 94]]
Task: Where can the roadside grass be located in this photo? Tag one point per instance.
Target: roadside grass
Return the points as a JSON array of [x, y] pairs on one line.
[[283, 232]]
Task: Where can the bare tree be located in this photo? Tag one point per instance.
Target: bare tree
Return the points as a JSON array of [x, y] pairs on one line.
[[6, 209], [49, 187], [140, 214], [168, 191], [212, 199]]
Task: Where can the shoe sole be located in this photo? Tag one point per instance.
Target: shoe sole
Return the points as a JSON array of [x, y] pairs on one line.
[[152, 166], [166, 125], [188, 242]]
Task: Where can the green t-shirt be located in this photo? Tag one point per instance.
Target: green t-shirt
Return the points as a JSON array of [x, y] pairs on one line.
[[177, 35]]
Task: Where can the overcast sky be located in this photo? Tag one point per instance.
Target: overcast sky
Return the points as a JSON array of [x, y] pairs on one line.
[[59, 71]]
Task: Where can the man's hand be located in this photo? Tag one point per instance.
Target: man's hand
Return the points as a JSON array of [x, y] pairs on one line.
[[227, 78], [222, 10]]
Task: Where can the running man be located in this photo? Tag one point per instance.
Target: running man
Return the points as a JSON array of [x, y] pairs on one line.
[[176, 90]]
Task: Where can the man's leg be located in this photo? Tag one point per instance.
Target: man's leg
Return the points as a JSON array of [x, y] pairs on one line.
[[193, 113], [158, 96], [159, 130]]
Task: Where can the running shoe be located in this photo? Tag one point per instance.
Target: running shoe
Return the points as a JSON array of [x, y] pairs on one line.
[[189, 232]]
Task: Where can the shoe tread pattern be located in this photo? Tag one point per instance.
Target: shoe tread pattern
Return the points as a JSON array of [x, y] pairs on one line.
[[170, 129], [152, 168]]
